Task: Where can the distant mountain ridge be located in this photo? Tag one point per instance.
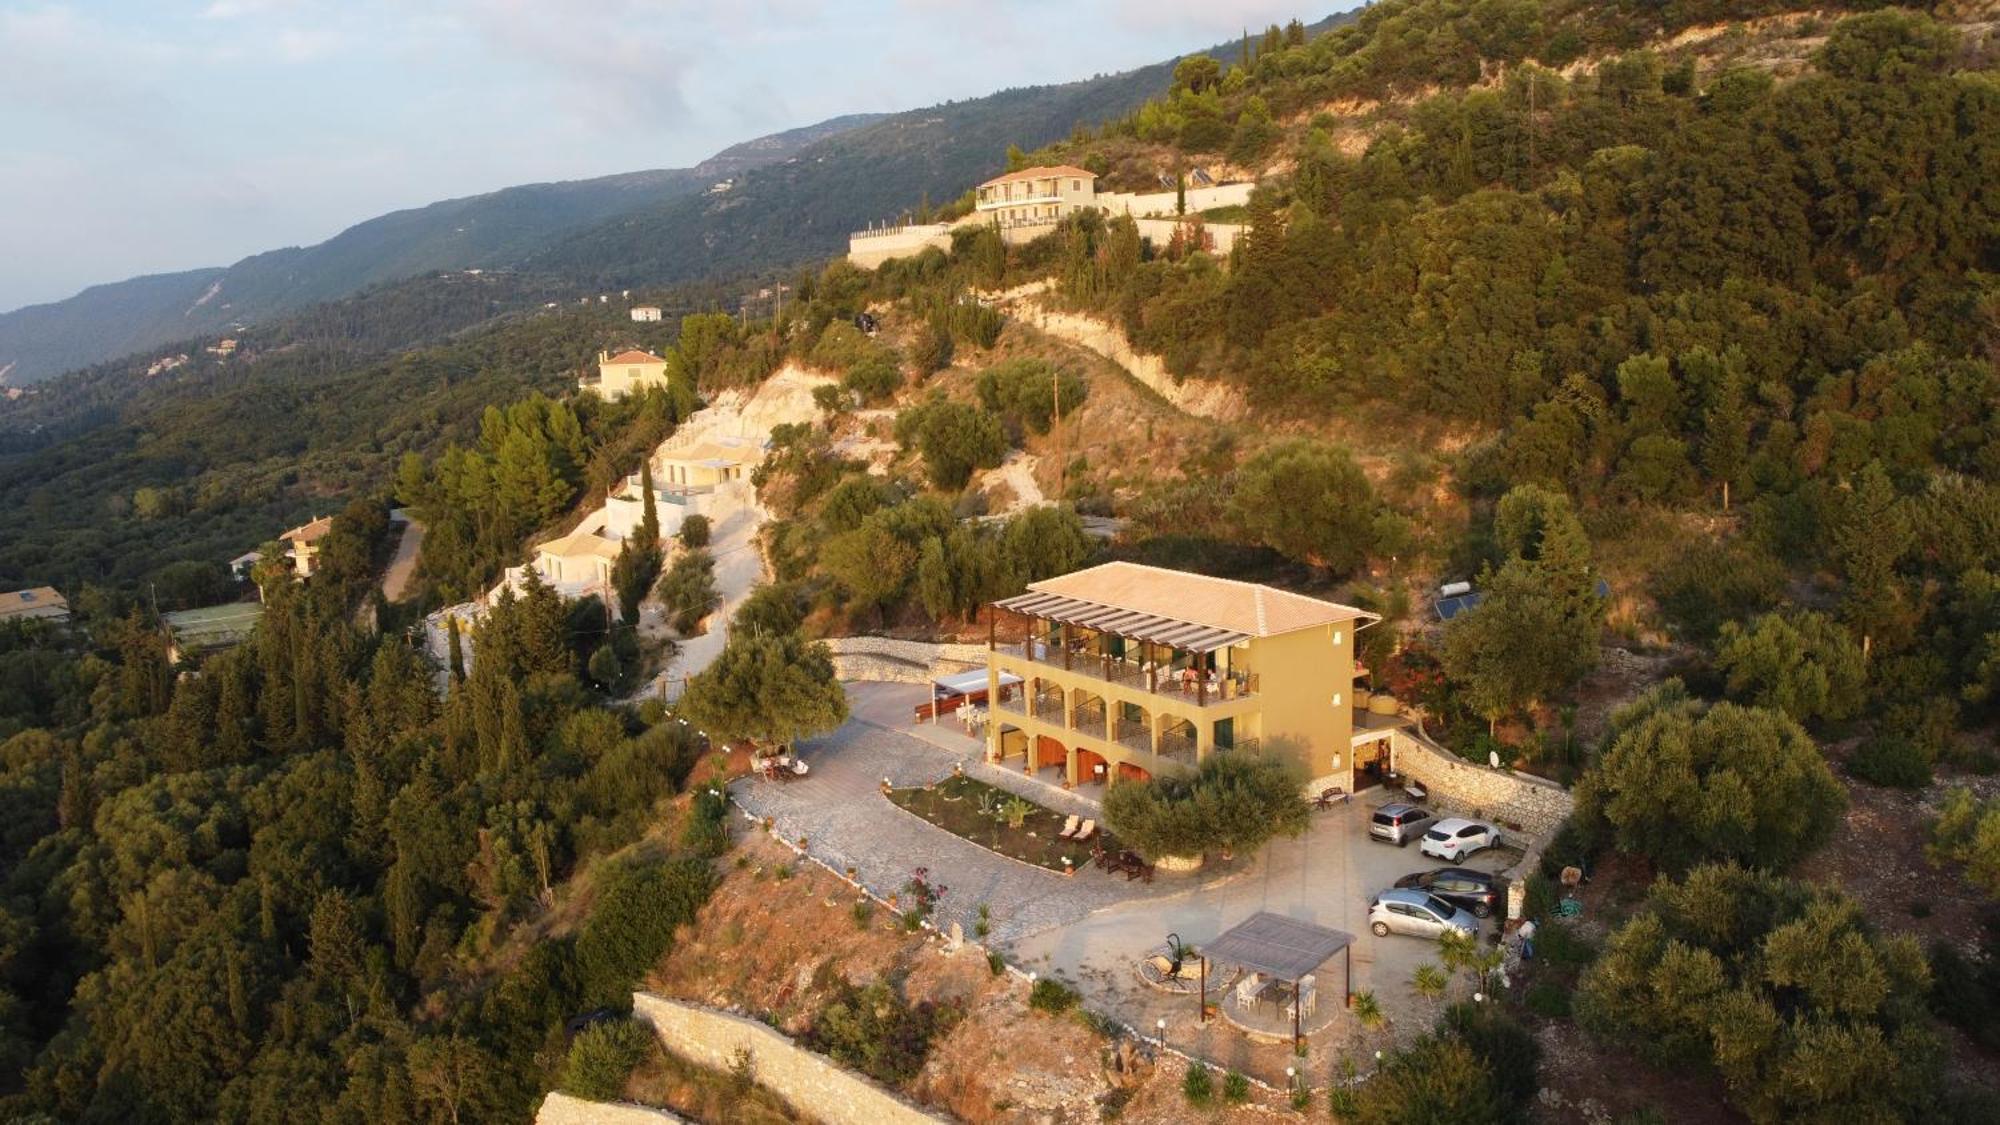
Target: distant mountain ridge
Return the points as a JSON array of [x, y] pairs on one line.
[[791, 197], [495, 230]]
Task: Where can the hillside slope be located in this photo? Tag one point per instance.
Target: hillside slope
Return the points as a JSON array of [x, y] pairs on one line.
[[806, 206], [494, 230]]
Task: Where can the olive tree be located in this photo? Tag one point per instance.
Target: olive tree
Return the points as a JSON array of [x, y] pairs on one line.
[[1684, 783], [1232, 802], [1804, 664], [770, 688]]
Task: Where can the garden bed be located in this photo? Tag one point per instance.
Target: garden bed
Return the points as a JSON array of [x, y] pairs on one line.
[[979, 812]]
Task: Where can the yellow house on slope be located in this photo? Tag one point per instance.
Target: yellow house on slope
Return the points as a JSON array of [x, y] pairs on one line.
[[1130, 671], [1032, 201], [628, 372]]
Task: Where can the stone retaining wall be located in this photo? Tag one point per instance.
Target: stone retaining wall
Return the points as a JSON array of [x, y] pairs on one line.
[[812, 1083], [562, 1109], [890, 660], [1533, 804]]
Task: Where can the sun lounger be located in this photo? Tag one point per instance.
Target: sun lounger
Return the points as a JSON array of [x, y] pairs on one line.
[[1069, 828], [1088, 830]]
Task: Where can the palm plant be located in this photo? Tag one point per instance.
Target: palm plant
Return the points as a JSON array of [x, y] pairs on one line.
[[1430, 982]]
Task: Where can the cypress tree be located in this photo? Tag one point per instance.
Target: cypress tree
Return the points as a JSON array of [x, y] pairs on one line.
[[457, 650]]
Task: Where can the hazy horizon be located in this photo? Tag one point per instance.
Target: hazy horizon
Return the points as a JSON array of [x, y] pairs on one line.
[[241, 126]]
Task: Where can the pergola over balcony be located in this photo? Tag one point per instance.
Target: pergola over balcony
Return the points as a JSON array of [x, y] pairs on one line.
[[1186, 667]]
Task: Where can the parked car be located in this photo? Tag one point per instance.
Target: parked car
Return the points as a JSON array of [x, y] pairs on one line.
[[1418, 913], [1399, 823], [1454, 838], [1461, 886]]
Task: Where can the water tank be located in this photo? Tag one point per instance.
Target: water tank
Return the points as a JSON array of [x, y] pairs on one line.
[[1454, 589], [1382, 705]]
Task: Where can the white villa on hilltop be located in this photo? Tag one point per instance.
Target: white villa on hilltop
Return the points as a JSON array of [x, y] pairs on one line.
[[627, 372], [1029, 203]]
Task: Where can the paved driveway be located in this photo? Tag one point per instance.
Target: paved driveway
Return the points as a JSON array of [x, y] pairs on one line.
[[1326, 877], [840, 810]]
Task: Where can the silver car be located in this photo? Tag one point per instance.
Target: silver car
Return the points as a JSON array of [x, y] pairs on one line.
[[1417, 913]]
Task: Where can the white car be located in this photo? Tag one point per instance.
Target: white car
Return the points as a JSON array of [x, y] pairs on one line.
[[1454, 838]]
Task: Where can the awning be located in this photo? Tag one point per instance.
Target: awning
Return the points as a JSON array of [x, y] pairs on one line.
[[1124, 622], [966, 683], [1284, 948]]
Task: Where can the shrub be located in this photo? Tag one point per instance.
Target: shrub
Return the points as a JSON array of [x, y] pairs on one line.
[[1433, 1079], [602, 1056], [1025, 392], [1891, 760], [1052, 996], [1235, 1088], [639, 906], [1198, 1085], [1720, 962], [874, 379], [877, 1031], [694, 531], [688, 590], [954, 438], [706, 833], [1965, 991], [1509, 1050], [1549, 1000]]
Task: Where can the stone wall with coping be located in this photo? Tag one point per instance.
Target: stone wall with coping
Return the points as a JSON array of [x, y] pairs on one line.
[[562, 1109], [1515, 800], [889, 660], [808, 1081]]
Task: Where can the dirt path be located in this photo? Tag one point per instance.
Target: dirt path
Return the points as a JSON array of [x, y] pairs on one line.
[[396, 579], [739, 567]]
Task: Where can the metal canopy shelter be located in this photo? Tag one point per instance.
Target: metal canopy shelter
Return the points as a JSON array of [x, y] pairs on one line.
[[1147, 627], [1283, 948]]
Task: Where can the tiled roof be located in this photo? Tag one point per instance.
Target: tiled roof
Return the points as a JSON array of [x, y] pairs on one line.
[[39, 601], [584, 542], [1042, 174], [634, 355], [1218, 603], [310, 533]]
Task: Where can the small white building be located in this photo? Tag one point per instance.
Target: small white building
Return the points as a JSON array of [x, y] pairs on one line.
[[645, 314]]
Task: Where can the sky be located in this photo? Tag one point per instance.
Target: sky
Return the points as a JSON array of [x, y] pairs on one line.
[[144, 136]]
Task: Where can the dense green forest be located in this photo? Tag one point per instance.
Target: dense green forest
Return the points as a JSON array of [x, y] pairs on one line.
[[1751, 317], [1652, 291], [229, 453], [294, 880]]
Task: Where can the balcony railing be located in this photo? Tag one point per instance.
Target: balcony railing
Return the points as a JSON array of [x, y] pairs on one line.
[[1049, 709], [1135, 736], [1240, 746], [1090, 720], [1178, 745], [1015, 702], [1174, 683]]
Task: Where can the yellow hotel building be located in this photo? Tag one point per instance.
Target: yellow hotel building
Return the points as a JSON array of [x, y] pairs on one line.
[[1130, 671]]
